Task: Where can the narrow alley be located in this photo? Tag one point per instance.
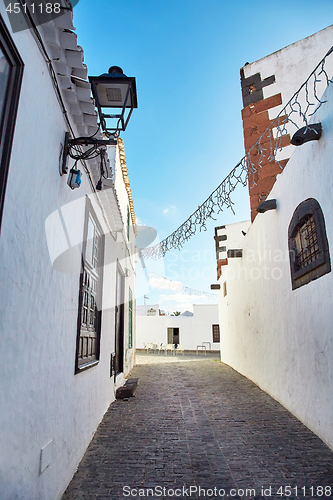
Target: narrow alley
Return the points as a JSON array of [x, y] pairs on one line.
[[196, 428]]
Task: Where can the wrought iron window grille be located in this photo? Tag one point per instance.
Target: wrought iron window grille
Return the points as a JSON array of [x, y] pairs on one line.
[[308, 244]]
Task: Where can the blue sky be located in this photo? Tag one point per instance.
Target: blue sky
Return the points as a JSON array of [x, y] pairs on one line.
[[186, 134]]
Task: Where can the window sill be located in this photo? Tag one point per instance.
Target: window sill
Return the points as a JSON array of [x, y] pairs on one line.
[[86, 366], [310, 267], [309, 276]]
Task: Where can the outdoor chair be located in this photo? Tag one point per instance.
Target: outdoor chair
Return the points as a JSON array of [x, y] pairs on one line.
[[149, 347], [161, 347], [180, 348], [171, 348]]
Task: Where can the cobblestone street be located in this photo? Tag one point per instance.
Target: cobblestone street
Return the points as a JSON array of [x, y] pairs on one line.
[[196, 423]]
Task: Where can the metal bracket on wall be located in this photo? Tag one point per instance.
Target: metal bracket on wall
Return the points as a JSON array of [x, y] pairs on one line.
[[305, 134], [266, 205], [84, 155]]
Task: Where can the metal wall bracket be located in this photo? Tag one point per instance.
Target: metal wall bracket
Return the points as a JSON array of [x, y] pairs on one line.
[[266, 205], [91, 141], [305, 134], [82, 141]]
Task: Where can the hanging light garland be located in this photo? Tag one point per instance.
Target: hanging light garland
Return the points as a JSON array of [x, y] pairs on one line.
[[176, 286], [303, 104]]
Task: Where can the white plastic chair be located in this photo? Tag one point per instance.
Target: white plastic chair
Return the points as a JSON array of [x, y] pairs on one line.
[[171, 348], [180, 348], [161, 347], [149, 347]]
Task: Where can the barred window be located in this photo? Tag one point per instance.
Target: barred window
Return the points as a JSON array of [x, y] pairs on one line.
[[89, 317], [306, 242], [308, 245], [216, 333]]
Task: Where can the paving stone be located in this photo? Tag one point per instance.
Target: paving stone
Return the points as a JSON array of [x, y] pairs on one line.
[[196, 422]]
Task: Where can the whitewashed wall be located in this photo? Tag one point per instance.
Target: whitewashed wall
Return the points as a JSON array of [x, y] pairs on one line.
[[41, 399], [193, 330], [204, 316], [291, 66], [154, 329], [279, 338], [235, 234], [126, 259]]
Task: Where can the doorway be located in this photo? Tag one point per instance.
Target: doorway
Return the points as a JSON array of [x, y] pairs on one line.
[[119, 322], [173, 335]]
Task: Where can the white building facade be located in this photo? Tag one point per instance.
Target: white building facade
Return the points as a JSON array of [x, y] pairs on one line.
[[67, 265], [199, 329], [276, 290]]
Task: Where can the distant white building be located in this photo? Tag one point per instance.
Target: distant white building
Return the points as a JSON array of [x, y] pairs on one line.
[[67, 266], [200, 328], [151, 310], [275, 297]]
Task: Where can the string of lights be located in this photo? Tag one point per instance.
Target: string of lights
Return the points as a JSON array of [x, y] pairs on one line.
[[176, 286], [298, 110]]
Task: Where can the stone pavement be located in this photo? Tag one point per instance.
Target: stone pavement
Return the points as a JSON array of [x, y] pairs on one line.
[[196, 423]]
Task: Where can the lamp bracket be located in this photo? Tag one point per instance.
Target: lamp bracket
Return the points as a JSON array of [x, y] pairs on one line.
[[91, 141], [84, 155]]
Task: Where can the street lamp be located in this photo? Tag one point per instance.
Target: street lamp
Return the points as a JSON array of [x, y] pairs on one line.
[[114, 90], [110, 90]]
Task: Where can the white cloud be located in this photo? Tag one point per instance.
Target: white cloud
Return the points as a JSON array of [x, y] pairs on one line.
[[139, 222], [180, 302], [164, 284], [181, 297], [170, 209]]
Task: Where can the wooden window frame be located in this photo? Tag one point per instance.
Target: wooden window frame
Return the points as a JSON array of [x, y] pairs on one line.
[[128, 223], [321, 265], [130, 318], [8, 118], [216, 334], [92, 360]]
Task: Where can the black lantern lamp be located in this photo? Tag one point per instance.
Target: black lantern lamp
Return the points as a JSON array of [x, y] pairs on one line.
[[110, 90], [114, 90]]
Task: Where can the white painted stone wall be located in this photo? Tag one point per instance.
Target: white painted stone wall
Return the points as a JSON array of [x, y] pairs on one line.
[[291, 66], [154, 329], [205, 315], [235, 236], [279, 338], [41, 399], [193, 330], [126, 259]]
